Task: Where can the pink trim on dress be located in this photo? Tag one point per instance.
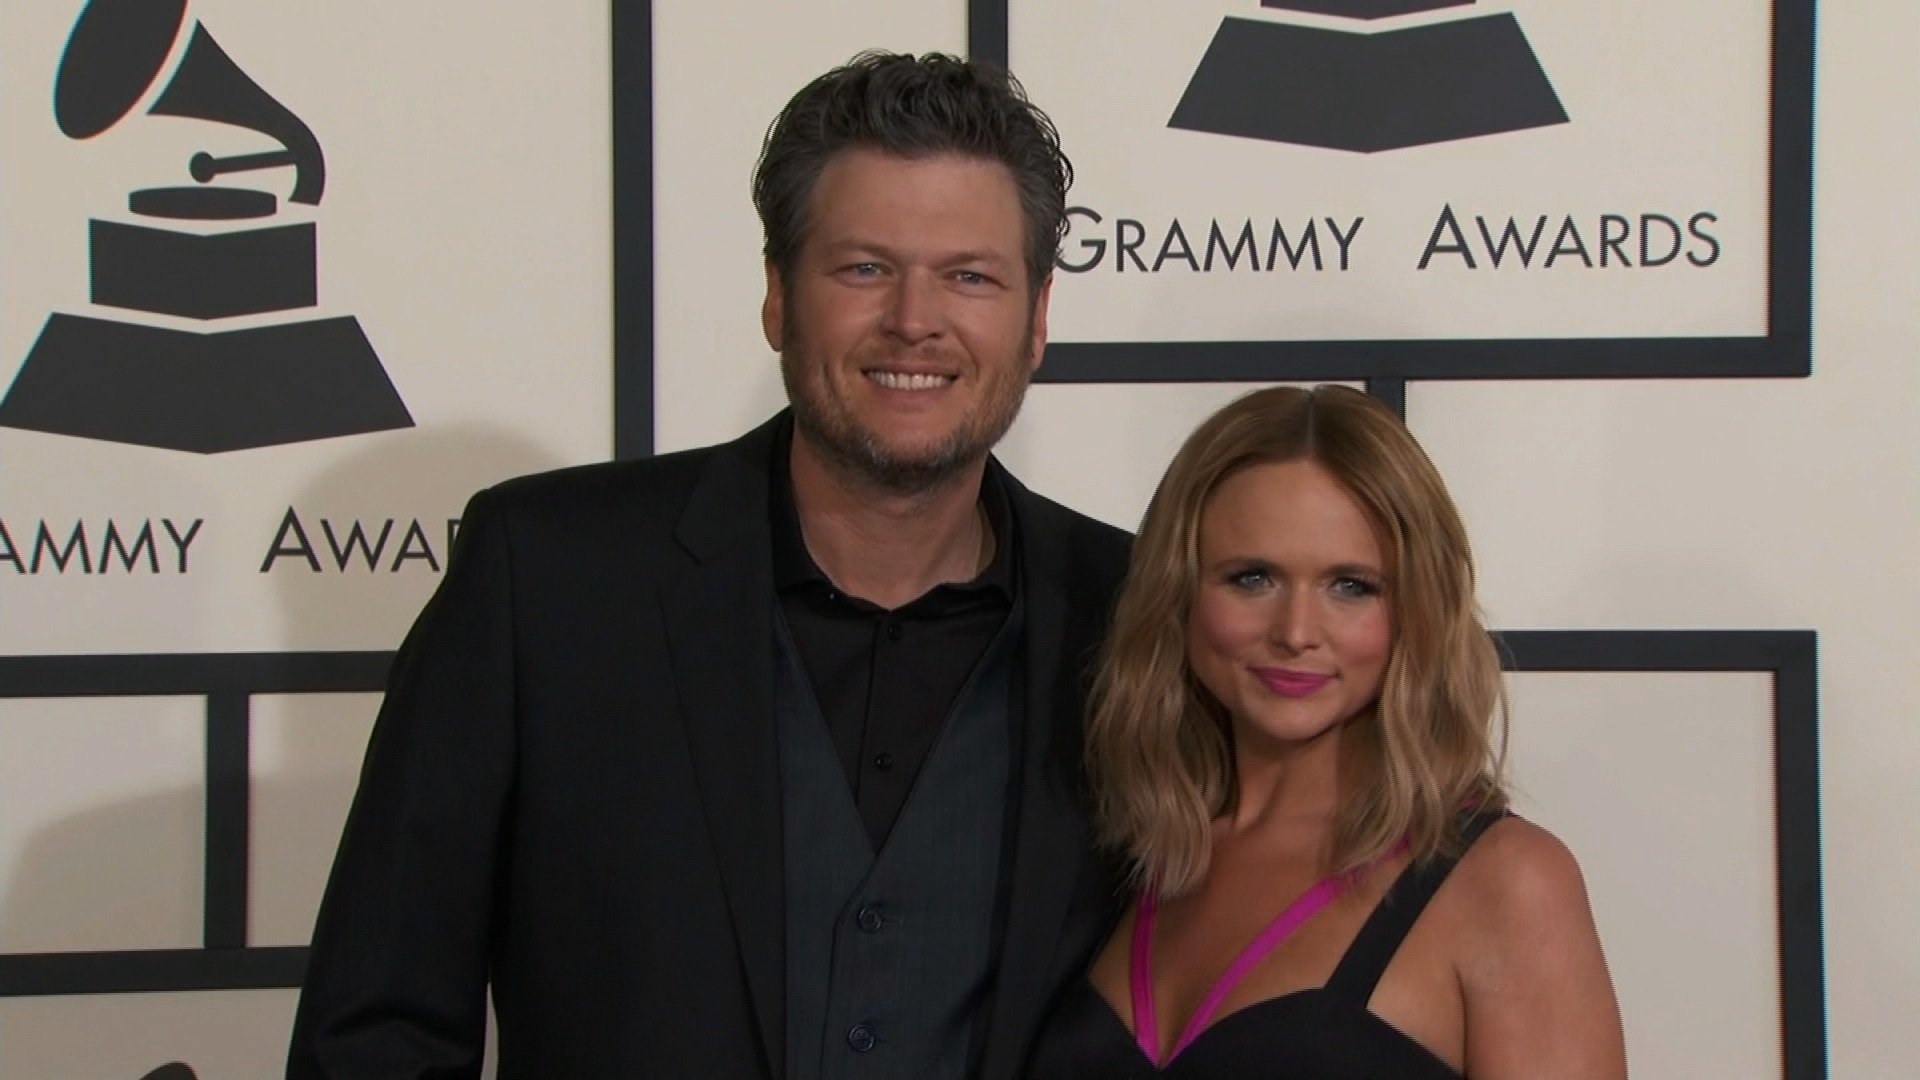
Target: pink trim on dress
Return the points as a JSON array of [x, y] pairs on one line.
[[1146, 1026]]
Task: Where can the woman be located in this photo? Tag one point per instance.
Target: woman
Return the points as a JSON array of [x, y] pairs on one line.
[[1293, 745]]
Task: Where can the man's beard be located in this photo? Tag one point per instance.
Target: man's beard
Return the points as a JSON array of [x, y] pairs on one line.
[[830, 427]]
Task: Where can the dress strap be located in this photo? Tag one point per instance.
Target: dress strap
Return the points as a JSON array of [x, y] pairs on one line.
[[1281, 928], [1366, 959], [1146, 1025], [1146, 1028]]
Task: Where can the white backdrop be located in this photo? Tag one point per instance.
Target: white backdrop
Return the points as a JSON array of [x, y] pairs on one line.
[[466, 225]]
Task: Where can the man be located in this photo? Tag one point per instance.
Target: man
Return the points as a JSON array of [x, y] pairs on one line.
[[761, 760]]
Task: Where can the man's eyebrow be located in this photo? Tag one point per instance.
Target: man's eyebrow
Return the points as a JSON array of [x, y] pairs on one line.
[[984, 256], [850, 246], [855, 245]]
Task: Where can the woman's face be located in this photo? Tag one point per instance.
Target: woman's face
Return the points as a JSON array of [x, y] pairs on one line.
[[1290, 628]]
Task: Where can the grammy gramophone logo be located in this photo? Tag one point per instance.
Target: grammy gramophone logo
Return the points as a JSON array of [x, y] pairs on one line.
[[204, 252], [1366, 89]]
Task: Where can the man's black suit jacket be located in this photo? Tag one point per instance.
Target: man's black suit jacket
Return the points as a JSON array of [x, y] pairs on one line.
[[572, 792]]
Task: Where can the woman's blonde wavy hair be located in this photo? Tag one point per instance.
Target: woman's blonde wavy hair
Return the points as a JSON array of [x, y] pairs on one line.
[[1160, 747]]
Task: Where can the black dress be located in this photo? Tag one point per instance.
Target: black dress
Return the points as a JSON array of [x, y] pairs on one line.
[[1321, 1034]]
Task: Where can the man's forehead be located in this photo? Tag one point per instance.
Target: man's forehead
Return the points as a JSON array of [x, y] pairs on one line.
[[863, 193], [875, 160]]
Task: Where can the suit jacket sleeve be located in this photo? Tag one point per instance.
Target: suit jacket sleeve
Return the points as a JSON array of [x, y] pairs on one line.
[[396, 984]]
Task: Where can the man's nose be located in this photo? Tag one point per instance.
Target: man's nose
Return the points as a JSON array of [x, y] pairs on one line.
[[913, 309]]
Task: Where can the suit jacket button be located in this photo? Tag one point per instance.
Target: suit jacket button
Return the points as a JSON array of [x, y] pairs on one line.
[[869, 920], [861, 1038]]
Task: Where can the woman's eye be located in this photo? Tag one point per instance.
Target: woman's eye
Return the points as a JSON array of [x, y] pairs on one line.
[[1354, 588], [1251, 580]]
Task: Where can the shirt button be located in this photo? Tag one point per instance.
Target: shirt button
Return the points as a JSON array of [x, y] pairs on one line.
[[869, 919], [883, 762], [893, 631], [861, 1038]]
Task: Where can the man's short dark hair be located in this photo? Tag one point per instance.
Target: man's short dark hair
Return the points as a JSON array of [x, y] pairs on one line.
[[912, 107]]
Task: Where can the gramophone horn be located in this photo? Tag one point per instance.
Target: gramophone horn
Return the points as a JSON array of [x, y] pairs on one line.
[[117, 49], [113, 55], [210, 86]]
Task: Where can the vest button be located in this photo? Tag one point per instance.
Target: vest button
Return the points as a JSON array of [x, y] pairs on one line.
[[869, 920], [861, 1038]]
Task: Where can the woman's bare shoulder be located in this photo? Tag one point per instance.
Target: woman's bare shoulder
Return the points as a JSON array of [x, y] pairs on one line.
[[1518, 869]]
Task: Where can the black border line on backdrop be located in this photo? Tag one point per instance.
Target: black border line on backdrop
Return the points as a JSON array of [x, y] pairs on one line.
[[227, 681], [633, 232], [1786, 350], [1392, 393], [1792, 657]]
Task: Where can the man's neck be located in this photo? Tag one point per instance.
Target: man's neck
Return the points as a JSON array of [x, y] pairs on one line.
[[885, 547]]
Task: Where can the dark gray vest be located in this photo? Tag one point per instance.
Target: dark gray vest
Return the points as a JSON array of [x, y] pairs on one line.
[[890, 956]]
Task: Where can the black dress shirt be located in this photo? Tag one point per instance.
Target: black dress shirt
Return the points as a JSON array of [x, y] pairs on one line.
[[886, 679]]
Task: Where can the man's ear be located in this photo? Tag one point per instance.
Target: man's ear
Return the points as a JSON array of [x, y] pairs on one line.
[[1038, 330], [773, 310]]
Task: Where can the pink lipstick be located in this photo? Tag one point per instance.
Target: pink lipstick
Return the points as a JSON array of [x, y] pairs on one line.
[[1292, 684]]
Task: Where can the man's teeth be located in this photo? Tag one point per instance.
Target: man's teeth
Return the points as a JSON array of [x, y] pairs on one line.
[[895, 380]]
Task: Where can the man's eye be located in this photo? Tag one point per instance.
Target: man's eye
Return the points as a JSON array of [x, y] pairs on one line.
[[971, 277]]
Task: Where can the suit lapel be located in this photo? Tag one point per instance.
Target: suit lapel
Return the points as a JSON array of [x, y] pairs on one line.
[[719, 624], [1051, 837]]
